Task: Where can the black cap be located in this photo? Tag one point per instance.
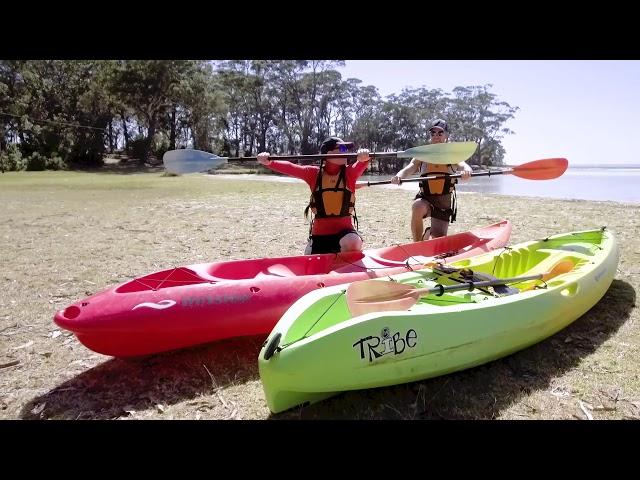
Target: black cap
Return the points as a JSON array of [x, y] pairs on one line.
[[331, 142], [440, 123]]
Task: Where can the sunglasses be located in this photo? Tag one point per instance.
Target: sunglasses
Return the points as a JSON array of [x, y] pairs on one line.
[[436, 134], [344, 148]]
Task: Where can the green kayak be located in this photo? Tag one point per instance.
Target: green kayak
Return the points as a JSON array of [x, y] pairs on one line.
[[434, 321]]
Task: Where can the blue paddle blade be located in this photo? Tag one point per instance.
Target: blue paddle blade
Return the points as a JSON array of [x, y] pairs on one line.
[[189, 160]]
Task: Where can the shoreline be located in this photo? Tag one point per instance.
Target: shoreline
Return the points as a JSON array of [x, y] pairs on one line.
[[411, 187]]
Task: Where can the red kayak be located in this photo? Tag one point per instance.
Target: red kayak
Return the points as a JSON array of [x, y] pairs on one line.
[[201, 303]]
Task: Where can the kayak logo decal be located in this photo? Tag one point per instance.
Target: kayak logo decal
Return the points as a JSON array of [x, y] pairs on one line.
[[214, 300], [157, 306], [374, 347]]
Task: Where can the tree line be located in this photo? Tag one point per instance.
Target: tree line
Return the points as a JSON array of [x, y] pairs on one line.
[[72, 113]]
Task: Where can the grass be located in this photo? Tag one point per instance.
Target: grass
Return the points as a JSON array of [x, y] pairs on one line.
[[65, 235]]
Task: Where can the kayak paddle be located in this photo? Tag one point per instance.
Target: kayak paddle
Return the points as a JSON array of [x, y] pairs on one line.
[[545, 169], [368, 296], [188, 160]]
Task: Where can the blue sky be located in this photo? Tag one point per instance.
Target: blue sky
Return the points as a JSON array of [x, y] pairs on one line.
[[586, 111]]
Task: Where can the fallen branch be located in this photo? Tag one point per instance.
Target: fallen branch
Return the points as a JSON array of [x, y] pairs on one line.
[[10, 364], [585, 410], [10, 326]]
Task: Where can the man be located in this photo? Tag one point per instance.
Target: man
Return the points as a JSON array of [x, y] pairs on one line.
[[436, 198], [333, 187]]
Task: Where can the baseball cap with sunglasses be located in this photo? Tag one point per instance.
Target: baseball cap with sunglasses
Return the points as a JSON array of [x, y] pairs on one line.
[[439, 123], [330, 143]]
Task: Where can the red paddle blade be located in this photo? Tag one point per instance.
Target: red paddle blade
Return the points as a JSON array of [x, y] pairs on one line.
[[545, 169]]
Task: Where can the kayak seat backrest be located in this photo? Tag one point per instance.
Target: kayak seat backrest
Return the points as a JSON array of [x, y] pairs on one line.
[[202, 272], [412, 260], [385, 261]]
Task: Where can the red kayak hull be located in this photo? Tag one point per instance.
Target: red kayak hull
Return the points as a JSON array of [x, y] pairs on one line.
[[201, 303]]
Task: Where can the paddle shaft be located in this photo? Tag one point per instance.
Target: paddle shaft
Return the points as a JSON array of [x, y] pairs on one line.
[[433, 177], [312, 157], [471, 285]]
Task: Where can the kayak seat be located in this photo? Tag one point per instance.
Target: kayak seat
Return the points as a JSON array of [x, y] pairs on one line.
[[278, 270]]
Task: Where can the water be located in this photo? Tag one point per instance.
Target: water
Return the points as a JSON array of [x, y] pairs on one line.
[[618, 183], [597, 183]]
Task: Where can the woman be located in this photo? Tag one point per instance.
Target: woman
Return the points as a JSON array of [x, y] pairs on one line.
[[333, 187]]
